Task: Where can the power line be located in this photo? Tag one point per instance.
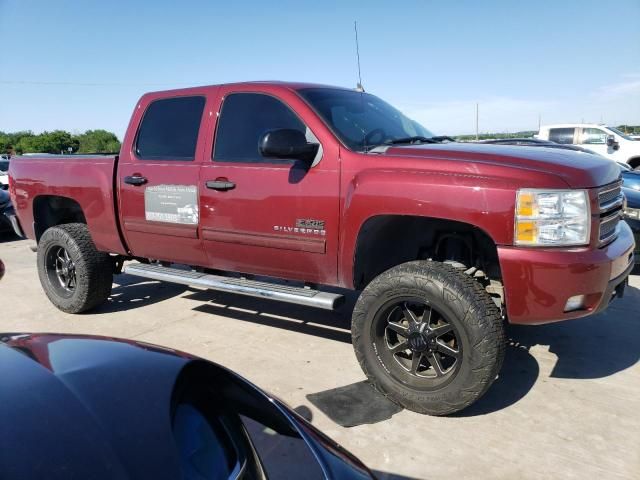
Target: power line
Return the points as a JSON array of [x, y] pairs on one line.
[[90, 84]]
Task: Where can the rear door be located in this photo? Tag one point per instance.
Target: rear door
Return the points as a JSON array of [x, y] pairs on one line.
[[275, 217], [158, 181]]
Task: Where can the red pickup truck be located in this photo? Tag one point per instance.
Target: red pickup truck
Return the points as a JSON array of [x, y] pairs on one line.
[[325, 186]]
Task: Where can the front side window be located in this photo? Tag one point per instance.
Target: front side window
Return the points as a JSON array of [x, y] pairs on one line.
[[361, 120], [593, 136], [562, 135], [169, 129], [244, 119]]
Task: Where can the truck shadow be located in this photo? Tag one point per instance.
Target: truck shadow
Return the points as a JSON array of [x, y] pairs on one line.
[[133, 292], [332, 325]]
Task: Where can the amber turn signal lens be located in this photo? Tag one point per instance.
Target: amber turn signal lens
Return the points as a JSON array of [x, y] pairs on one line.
[[526, 204], [526, 232]]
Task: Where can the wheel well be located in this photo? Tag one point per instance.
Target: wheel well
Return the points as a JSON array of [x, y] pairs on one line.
[[634, 162], [389, 240], [52, 210]]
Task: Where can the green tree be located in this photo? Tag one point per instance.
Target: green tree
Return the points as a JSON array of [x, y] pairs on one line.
[[98, 141], [57, 141]]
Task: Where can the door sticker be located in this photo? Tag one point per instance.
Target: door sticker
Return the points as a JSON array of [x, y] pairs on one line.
[[171, 204]]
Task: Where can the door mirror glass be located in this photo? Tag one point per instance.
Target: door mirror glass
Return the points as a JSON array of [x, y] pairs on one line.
[[287, 143], [611, 142]]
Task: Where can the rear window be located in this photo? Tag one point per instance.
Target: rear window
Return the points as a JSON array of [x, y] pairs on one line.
[[169, 129], [562, 135]]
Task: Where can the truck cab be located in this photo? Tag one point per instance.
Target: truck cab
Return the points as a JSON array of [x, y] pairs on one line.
[[599, 138]]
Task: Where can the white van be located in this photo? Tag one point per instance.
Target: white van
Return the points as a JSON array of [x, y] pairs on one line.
[[607, 141]]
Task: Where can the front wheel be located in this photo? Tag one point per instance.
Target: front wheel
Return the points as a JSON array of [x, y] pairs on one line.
[[428, 336], [75, 276]]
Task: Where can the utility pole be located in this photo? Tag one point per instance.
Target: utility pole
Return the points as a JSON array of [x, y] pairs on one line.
[[477, 108]]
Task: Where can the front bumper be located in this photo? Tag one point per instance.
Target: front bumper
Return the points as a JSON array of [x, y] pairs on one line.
[[538, 282]]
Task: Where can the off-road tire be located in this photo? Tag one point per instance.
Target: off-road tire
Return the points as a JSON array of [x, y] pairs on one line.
[[93, 269], [468, 307]]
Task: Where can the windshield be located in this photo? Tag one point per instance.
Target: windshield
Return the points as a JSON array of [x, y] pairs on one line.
[[4, 165], [362, 120], [622, 134]]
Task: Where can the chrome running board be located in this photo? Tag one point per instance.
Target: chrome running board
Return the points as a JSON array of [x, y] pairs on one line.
[[242, 286]]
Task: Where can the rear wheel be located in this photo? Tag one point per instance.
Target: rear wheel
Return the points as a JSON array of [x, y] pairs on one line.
[[429, 337], [74, 275]]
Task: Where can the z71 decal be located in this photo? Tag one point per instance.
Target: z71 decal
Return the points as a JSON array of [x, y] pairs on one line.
[[171, 204]]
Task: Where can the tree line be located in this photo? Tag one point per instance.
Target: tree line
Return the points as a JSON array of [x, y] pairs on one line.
[[59, 141]]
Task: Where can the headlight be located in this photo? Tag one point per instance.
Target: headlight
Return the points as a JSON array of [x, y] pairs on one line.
[[552, 217], [632, 213]]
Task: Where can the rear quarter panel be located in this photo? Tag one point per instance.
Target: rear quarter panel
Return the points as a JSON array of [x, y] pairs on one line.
[[87, 180]]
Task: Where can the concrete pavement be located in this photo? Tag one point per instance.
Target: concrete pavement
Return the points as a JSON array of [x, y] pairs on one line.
[[565, 406]]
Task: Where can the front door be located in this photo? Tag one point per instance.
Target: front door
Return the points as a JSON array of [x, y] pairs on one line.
[[158, 183], [595, 139], [269, 216]]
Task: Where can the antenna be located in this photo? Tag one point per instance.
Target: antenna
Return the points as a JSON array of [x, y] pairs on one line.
[[359, 87]]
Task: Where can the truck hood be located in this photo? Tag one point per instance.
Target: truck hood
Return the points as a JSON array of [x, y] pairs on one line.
[[576, 169]]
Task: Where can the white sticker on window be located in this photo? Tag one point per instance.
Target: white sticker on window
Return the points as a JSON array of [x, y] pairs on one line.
[[171, 204]]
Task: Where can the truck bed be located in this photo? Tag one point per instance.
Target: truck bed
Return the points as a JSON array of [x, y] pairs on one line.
[[87, 180]]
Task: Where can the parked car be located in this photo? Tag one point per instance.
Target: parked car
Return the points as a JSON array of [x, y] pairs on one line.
[[4, 169], [631, 189], [535, 142], [102, 408], [6, 212], [602, 139], [327, 186]]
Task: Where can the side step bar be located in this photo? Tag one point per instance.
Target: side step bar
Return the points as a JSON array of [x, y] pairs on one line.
[[252, 288]]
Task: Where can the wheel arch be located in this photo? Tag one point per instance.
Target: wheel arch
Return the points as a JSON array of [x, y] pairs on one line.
[[52, 210], [384, 241]]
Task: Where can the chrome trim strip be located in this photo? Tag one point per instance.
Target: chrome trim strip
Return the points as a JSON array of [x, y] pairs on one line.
[[612, 186], [612, 204], [614, 233]]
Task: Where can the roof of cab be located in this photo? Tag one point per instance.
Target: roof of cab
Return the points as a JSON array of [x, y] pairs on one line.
[[270, 84]]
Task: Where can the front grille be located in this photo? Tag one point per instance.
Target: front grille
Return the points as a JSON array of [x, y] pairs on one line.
[[610, 201]]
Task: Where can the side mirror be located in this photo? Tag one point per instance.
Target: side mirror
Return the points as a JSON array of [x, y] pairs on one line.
[[287, 143], [611, 142]]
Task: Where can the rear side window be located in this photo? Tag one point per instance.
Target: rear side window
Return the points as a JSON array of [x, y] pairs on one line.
[[245, 117], [169, 129], [562, 135]]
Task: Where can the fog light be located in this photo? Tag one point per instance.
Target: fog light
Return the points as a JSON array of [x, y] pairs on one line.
[[575, 303]]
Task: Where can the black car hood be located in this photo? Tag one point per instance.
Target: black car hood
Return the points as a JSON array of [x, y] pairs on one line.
[[75, 406], [63, 398]]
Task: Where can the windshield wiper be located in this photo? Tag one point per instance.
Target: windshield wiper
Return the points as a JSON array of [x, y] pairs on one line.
[[410, 140], [416, 139]]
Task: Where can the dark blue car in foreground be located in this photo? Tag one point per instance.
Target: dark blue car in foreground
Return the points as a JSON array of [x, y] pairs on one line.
[[80, 407]]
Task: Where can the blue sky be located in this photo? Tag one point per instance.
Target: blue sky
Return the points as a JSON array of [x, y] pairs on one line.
[[82, 64]]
